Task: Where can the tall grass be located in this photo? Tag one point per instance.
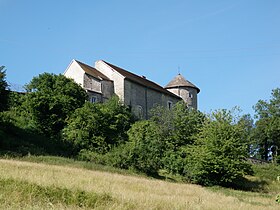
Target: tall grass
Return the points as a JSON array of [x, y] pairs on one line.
[[25, 194], [123, 191]]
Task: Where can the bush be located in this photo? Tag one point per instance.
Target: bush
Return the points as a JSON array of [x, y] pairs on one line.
[[219, 154], [51, 99], [98, 127], [4, 93], [84, 129], [145, 148]]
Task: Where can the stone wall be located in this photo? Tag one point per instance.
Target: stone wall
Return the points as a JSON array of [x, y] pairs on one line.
[[91, 83], [142, 99], [189, 95], [107, 89], [94, 97], [114, 76]]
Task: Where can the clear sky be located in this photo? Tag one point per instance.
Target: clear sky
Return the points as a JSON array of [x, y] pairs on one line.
[[230, 49]]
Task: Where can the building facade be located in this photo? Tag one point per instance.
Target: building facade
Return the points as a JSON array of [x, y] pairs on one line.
[[104, 80]]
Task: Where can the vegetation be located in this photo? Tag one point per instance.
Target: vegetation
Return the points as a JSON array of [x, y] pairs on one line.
[[218, 156], [98, 127], [21, 182], [29, 194], [3, 89], [51, 99], [183, 144], [267, 131]]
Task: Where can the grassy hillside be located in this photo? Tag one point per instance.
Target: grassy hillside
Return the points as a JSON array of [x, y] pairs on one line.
[[66, 185]]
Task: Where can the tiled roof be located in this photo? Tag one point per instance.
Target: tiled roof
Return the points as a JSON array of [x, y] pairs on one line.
[[180, 81], [140, 80], [92, 71]]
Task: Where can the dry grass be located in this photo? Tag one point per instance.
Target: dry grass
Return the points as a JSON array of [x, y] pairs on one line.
[[130, 192]]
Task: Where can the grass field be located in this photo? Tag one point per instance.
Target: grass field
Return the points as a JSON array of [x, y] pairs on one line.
[[62, 184]]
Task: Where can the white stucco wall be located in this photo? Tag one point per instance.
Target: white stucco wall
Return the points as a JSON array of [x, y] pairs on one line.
[[74, 71]]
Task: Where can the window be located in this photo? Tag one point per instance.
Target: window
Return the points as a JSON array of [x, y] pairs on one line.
[[190, 95], [93, 99], [169, 105], [139, 112]]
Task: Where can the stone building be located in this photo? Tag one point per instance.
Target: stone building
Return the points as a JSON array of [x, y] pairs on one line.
[[104, 80]]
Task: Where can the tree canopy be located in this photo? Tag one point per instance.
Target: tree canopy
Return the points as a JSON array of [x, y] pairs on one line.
[[51, 99], [219, 153], [98, 127], [267, 132], [3, 89]]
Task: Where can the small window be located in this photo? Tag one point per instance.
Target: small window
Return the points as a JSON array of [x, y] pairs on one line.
[[93, 99], [169, 105], [139, 112], [190, 95]]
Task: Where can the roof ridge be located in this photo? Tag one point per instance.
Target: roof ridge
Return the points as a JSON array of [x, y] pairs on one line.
[[92, 71], [140, 80]]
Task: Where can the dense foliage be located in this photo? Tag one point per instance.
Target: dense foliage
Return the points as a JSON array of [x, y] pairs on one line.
[[267, 131], [219, 153], [98, 127], [3, 89], [51, 99], [53, 117]]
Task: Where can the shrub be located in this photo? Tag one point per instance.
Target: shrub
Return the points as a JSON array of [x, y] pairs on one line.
[[146, 147], [98, 127], [51, 99], [219, 154], [84, 129]]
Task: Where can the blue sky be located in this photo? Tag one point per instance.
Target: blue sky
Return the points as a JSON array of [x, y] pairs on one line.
[[230, 49]]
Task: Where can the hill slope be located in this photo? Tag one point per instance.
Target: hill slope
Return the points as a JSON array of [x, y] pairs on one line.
[[28, 185]]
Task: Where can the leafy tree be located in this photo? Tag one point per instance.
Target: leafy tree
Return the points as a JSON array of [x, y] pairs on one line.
[[145, 147], [267, 131], [179, 125], [3, 89], [84, 129], [218, 155], [187, 124], [51, 99], [98, 127], [117, 120], [247, 123]]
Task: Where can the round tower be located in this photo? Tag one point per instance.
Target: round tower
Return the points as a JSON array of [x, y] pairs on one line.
[[185, 89]]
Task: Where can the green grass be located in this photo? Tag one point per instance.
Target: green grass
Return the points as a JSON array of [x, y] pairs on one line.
[[63, 161], [267, 171], [27, 185], [264, 184], [29, 194]]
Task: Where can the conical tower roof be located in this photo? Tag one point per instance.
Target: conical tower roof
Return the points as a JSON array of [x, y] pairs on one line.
[[180, 81]]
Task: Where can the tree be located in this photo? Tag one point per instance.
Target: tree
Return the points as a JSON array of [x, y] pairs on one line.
[[267, 131], [98, 127], [247, 123], [117, 120], [84, 129], [179, 125], [3, 89], [146, 147], [218, 156], [51, 99], [187, 124]]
